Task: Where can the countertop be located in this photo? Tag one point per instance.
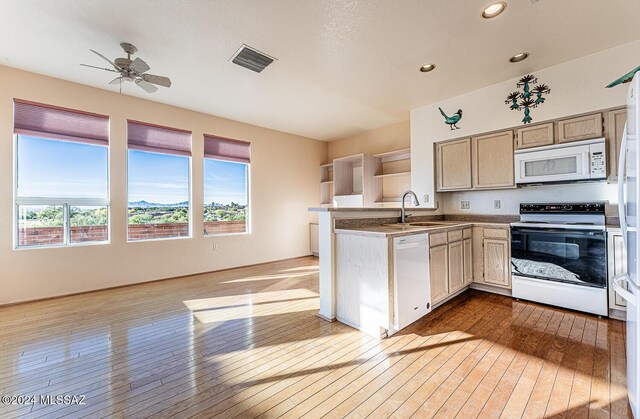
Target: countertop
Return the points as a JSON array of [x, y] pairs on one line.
[[388, 231]]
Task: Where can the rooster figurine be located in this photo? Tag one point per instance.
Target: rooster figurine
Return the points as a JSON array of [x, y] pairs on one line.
[[452, 120]]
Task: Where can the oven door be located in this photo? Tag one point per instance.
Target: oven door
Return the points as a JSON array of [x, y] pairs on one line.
[[563, 255], [553, 165]]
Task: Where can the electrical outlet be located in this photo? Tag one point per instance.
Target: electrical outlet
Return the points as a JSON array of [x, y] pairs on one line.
[[464, 205], [496, 204], [215, 247], [426, 198]]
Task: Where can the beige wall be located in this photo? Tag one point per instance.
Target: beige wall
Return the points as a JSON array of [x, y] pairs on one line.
[[577, 86], [284, 183], [389, 138]]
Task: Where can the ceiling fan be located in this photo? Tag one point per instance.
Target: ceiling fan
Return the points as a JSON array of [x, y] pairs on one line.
[[132, 70]]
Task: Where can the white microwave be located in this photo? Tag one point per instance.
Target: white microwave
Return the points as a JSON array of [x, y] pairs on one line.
[[583, 160]]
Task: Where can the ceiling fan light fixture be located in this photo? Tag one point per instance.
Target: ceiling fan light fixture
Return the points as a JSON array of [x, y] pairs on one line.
[[519, 57], [427, 68], [494, 10]]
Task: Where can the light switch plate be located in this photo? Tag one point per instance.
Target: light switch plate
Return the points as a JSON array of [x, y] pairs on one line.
[[464, 205], [496, 204]]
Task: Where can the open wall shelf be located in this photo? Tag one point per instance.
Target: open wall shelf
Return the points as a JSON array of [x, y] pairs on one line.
[[364, 180]]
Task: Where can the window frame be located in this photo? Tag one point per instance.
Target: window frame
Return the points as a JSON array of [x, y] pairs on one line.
[[66, 203], [190, 195], [248, 191]]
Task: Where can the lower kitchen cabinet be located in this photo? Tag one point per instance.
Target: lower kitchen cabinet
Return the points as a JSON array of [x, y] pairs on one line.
[[439, 273], [617, 259], [456, 266], [492, 256], [450, 262], [496, 262], [467, 252]]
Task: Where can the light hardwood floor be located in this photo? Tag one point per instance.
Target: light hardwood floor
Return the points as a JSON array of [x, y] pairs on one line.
[[246, 343]]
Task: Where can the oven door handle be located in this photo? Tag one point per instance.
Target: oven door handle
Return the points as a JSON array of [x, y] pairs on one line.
[[558, 231], [621, 288]]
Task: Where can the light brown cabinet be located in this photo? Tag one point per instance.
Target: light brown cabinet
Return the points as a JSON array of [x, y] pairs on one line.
[[496, 262], [450, 262], [579, 128], [617, 259], [493, 161], [456, 266], [491, 256], [614, 125], [467, 256], [454, 165], [438, 273], [535, 136]]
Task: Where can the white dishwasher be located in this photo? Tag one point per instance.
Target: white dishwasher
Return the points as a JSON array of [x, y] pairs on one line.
[[412, 288]]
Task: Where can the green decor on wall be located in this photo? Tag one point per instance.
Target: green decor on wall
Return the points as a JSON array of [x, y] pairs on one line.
[[624, 79], [529, 97], [453, 119]]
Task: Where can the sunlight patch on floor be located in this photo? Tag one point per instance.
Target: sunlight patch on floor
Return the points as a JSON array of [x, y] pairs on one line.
[[268, 277], [246, 306]]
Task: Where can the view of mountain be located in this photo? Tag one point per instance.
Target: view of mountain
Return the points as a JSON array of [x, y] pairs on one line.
[[145, 204]]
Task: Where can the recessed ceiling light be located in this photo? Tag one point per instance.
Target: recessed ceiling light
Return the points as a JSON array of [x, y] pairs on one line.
[[519, 57], [494, 10], [427, 67]]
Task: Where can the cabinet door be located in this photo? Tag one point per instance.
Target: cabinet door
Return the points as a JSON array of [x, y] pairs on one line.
[[614, 126], [456, 267], [454, 165], [617, 258], [535, 136], [438, 273], [580, 128], [496, 263], [478, 255], [493, 161], [467, 256]]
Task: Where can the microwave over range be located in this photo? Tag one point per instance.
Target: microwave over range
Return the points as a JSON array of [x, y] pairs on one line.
[[580, 161]]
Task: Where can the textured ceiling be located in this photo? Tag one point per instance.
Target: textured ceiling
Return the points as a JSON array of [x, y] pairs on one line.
[[343, 66]]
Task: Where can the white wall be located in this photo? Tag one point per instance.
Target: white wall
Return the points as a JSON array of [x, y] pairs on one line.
[[576, 86], [284, 184]]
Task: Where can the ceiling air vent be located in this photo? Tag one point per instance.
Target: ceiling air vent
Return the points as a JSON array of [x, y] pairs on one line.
[[252, 59]]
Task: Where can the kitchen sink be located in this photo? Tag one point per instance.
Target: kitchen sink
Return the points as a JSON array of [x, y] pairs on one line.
[[430, 224], [409, 226]]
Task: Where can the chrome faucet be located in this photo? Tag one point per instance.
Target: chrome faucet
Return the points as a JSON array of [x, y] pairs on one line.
[[415, 201]]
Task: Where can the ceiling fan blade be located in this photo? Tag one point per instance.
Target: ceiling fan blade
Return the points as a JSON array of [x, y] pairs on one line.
[[139, 66], [99, 68], [147, 87], [117, 80], [106, 59], [159, 80]]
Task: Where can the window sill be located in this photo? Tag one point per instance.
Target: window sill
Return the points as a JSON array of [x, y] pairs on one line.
[[161, 239], [62, 246]]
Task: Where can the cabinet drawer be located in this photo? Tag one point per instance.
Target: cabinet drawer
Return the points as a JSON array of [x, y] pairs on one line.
[[454, 235], [496, 233], [467, 233], [437, 239]]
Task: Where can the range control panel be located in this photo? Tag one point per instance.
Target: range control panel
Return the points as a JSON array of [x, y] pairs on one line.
[[566, 208]]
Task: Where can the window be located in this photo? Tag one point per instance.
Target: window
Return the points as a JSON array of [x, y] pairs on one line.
[[62, 192], [159, 161], [226, 177]]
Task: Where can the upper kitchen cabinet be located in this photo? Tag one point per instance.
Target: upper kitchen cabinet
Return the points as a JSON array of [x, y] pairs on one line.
[[493, 161], [579, 128], [614, 125], [535, 136], [453, 160]]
